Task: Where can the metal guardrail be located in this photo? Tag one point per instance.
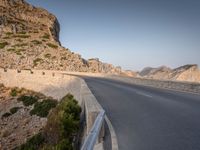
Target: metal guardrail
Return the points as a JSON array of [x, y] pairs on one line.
[[91, 139]]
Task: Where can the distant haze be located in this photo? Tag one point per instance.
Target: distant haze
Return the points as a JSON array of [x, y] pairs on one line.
[[130, 33]]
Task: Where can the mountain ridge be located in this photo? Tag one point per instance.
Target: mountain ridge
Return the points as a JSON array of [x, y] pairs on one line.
[[189, 72]]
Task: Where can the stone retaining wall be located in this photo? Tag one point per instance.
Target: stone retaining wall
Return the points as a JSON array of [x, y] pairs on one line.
[[50, 83]]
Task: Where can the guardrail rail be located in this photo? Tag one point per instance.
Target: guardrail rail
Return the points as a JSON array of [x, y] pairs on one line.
[[91, 138]]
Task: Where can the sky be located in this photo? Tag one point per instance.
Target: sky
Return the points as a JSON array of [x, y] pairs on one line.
[[132, 34]]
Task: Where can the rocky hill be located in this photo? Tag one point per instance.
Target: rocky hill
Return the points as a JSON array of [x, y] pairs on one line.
[[29, 39], [189, 73], [156, 73]]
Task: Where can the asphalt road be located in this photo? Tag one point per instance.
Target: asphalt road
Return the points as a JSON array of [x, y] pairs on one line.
[[146, 118]]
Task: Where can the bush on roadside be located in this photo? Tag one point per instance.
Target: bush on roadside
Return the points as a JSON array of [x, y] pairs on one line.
[[61, 128], [42, 108], [33, 143], [28, 100], [13, 92], [5, 115], [14, 110], [63, 122]]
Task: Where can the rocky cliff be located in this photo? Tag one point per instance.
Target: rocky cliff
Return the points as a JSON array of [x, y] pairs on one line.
[[29, 39], [189, 73]]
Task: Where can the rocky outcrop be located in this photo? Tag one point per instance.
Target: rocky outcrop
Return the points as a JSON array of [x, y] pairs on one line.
[[189, 73], [186, 73], [96, 66], [29, 39], [129, 73], [155, 73], [19, 16]]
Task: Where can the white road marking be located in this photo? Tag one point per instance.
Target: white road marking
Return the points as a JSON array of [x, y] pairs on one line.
[[144, 94]]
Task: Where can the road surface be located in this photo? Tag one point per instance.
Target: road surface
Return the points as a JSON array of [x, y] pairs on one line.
[[146, 118]]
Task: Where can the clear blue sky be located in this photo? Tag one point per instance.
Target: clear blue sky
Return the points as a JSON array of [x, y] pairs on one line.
[[130, 33]]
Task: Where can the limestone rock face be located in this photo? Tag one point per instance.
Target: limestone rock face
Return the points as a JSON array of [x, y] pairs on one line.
[[29, 39], [96, 66], [186, 73], [18, 16]]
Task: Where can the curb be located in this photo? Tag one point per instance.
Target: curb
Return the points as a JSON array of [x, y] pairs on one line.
[[114, 141], [113, 134]]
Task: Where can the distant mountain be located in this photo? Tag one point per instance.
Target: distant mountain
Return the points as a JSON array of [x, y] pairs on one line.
[[29, 39], [189, 73], [186, 73]]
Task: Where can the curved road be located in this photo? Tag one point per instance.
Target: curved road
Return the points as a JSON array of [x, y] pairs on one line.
[[146, 118]]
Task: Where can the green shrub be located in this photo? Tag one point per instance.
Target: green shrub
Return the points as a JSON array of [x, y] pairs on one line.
[[20, 45], [36, 42], [9, 33], [64, 144], [47, 55], [6, 37], [33, 143], [18, 53], [63, 58], [46, 36], [22, 32], [19, 40], [14, 110], [63, 122], [52, 45], [6, 115], [61, 128], [36, 61], [13, 92], [11, 50], [3, 44], [42, 108], [28, 100], [21, 36]]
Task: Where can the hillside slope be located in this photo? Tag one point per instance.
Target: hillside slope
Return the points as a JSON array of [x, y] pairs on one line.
[[29, 39]]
